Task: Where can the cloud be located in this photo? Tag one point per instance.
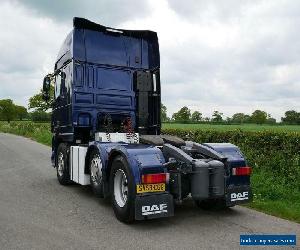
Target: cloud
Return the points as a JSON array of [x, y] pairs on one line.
[[232, 56], [29, 46], [107, 12]]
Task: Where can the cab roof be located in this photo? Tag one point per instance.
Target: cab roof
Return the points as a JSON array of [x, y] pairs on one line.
[[89, 36]]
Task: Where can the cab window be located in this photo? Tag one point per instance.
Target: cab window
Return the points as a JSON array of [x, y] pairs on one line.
[[57, 85], [60, 84]]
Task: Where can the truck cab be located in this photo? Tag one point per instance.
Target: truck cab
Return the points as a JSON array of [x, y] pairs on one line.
[[102, 72], [107, 130]]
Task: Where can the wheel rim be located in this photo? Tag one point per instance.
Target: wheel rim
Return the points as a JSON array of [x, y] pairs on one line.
[[96, 170], [120, 188], [60, 164]]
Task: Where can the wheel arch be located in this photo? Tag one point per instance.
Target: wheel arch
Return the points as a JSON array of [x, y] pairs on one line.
[[55, 144], [87, 157], [112, 155]]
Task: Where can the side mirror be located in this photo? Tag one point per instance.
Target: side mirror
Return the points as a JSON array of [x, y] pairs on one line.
[[46, 88]]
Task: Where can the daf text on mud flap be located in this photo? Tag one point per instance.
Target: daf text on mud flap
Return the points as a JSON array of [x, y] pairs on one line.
[[239, 196], [154, 209]]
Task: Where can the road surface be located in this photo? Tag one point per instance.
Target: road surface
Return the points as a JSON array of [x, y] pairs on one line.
[[38, 213]]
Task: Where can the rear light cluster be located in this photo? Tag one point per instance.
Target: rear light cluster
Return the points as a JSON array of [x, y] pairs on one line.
[[155, 178], [242, 171]]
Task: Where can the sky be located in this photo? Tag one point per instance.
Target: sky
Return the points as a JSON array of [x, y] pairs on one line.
[[231, 56]]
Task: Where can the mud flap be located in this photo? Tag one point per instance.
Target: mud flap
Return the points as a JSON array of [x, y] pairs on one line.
[[154, 206], [238, 195]]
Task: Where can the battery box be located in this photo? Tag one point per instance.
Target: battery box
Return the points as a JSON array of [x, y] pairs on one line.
[[77, 165]]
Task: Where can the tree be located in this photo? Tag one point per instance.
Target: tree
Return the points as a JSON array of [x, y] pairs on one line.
[[228, 120], [270, 119], [259, 117], [37, 102], [163, 113], [291, 117], [183, 115], [7, 110], [217, 116], [40, 116], [206, 119], [21, 112], [196, 116], [238, 118], [247, 119]]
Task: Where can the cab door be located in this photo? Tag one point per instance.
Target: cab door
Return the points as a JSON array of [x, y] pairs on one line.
[[61, 105]]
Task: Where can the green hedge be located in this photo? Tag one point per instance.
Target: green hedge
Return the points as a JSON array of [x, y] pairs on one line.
[[274, 153]]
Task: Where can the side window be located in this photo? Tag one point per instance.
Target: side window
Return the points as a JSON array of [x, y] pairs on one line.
[[57, 85], [63, 90], [60, 85], [67, 84]]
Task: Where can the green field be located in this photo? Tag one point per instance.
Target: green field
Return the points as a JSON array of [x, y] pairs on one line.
[[245, 127]]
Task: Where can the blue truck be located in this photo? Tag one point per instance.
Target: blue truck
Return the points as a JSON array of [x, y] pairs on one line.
[[106, 130]]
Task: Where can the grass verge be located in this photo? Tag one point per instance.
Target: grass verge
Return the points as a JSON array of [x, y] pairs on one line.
[[39, 132], [275, 197]]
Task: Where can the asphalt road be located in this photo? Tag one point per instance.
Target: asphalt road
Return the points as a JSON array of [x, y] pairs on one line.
[[38, 213]]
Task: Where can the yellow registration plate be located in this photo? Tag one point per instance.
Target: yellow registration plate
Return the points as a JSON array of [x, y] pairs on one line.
[[148, 188]]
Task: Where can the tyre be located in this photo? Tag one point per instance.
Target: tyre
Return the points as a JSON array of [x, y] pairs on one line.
[[122, 190], [212, 204], [62, 164], [96, 176]]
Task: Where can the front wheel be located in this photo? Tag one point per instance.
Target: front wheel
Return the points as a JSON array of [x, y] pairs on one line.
[[62, 164], [122, 190]]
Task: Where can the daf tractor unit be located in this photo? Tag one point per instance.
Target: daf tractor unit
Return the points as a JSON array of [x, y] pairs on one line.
[[106, 130]]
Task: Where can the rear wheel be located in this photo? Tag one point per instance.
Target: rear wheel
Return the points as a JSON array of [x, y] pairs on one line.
[[96, 177], [122, 190], [62, 164]]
